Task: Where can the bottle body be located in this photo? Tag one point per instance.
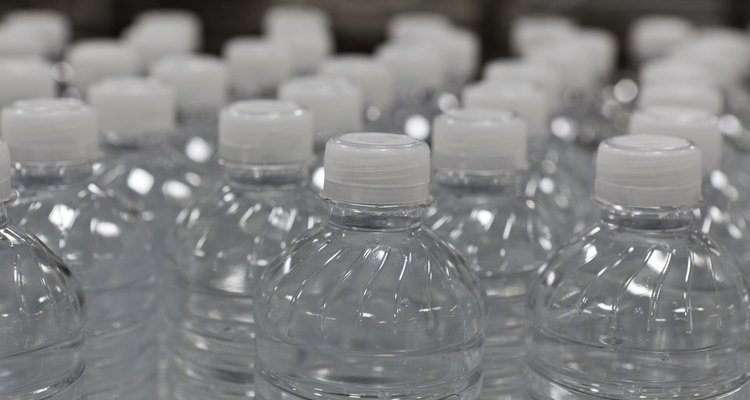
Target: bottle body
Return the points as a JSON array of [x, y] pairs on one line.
[[198, 141], [640, 305], [226, 242], [42, 320], [505, 242], [106, 247], [369, 304]]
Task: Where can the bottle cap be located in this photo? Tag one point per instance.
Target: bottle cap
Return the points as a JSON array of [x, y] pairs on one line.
[[416, 24], [724, 55], [336, 104], [5, 189], [479, 140], [652, 36], [153, 42], [667, 70], [50, 131], [572, 59], [281, 19], [691, 123], [199, 82], [24, 78], [547, 78], [257, 65], [20, 42], [52, 26], [372, 77], [133, 106], [603, 50], [648, 171], [415, 65], [529, 31], [695, 94], [265, 132], [377, 169], [462, 50], [523, 98], [189, 21], [307, 48], [92, 60]]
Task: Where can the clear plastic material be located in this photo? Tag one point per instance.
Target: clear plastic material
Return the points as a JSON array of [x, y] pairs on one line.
[[41, 320], [370, 304], [505, 240], [640, 305], [104, 244], [225, 242]]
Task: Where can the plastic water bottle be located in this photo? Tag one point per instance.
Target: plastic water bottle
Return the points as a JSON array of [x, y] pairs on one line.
[[370, 304], [24, 78], [551, 183], [201, 87], [336, 105], [41, 316], [256, 67], [641, 304], [724, 211], [229, 238], [375, 81], [53, 143], [478, 157], [137, 118], [95, 59]]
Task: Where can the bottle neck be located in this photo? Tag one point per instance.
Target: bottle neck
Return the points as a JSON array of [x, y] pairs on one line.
[[495, 182], [4, 219], [648, 219], [196, 116], [121, 141], [264, 177], [53, 173], [375, 218]]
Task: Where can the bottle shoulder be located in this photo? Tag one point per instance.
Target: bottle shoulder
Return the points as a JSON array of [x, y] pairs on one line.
[[617, 287], [42, 301], [374, 285]]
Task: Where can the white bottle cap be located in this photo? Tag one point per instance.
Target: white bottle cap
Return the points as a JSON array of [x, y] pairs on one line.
[[51, 25], [521, 97], [461, 47], [16, 42], [152, 42], [695, 94], [307, 48], [24, 78], [133, 106], [648, 171], [415, 65], [480, 140], [372, 77], [199, 82], [92, 60], [257, 65], [265, 132], [725, 55], [159, 16], [5, 189], [529, 31], [544, 76], [336, 104], [50, 131], [409, 25], [603, 50], [283, 18], [693, 124], [652, 36], [572, 59], [377, 169], [666, 70]]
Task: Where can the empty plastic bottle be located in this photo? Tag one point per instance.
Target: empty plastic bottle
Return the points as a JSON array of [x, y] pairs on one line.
[[24, 78], [201, 87], [723, 213], [53, 143], [336, 105], [478, 159], [41, 313], [641, 305], [551, 182], [370, 304], [229, 238]]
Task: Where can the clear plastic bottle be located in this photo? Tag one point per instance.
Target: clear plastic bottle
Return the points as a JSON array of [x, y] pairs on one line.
[[370, 304], [550, 182], [723, 213], [24, 78], [201, 87], [41, 313], [136, 118], [53, 143], [375, 81], [641, 305], [478, 157], [229, 238], [337, 107]]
